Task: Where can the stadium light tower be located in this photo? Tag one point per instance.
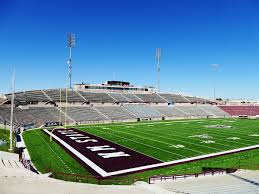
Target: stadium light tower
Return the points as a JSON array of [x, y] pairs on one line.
[[158, 55], [71, 44]]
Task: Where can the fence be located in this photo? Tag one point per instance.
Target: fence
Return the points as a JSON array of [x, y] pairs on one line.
[[126, 180], [239, 165], [184, 176]]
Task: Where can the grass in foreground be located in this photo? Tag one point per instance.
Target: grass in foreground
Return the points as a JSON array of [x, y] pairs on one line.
[[45, 154], [4, 134]]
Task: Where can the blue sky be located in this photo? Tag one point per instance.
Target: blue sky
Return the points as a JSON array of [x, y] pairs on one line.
[[120, 37]]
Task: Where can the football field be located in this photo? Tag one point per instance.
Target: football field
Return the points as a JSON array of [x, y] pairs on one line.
[[174, 140], [163, 141]]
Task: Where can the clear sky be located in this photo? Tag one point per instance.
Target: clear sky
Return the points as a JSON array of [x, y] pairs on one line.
[[120, 37]]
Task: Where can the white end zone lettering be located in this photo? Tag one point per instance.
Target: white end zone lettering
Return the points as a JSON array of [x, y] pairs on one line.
[[113, 155]]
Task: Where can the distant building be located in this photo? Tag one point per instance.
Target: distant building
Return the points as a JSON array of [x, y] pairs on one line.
[[116, 86]]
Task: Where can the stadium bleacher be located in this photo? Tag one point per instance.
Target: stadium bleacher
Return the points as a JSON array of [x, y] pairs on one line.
[[119, 97], [33, 96], [84, 113], [132, 97], [47, 114], [214, 110], [170, 111], [97, 97], [20, 117], [197, 100], [116, 113], [193, 111], [151, 98], [241, 110], [143, 111], [174, 98], [72, 96], [103, 107]]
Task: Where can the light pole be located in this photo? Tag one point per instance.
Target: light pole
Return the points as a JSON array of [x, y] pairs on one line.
[[215, 68], [71, 44]]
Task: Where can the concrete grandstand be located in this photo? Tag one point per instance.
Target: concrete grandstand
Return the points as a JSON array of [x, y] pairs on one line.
[[38, 107]]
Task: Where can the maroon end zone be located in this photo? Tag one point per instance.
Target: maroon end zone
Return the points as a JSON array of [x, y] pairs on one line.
[[107, 155]]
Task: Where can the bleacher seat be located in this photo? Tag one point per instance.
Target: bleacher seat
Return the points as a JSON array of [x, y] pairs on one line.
[[143, 111], [174, 98], [116, 112], [170, 111], [72, 96], [132, 97], [97, 97], [33, 96], [241, 110], [153, 98], [81, 114], [119, 97]]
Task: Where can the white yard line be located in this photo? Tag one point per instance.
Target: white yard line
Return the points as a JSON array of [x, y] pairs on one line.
[[200, 145], [158, 140], [126, 146], [224, 133], [188, 139], [183, 132], [214, 134], [232, 133], [142, 144], [245, 134], [151, 140]]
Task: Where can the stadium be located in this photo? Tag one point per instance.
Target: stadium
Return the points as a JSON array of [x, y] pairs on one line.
[[129, 134], [116, 133]]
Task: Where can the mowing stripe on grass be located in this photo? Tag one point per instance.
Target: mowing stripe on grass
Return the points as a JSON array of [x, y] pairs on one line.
[[55, 153], [186, 142], [143, 144], [160, 141], [183, 132]]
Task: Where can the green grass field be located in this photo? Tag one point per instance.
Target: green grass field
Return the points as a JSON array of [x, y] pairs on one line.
[[163, 140], [4, 134]]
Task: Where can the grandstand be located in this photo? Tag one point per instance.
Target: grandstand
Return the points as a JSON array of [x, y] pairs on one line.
[[241, 110], [39, 115], [108, 104]]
